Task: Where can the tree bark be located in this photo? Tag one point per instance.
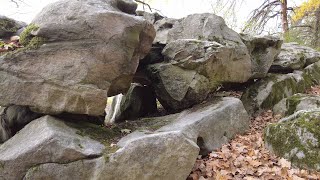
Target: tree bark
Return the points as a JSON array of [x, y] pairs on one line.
[[284, 10]]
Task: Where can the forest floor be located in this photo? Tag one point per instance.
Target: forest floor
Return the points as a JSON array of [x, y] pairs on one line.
[[246, 157]]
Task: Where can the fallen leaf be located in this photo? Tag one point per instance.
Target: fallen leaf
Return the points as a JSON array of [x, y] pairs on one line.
[[126, 131], [254, 163], [295, 177], [285, 163]]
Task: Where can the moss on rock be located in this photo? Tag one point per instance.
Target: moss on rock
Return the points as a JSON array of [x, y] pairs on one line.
[[36, 42], [107, 136], [99, 133], [26, 36], [311, 74], [28, 40], [292, 103], [2, 44], [269, 91], [297, 140], [8, 25], [281, 88]]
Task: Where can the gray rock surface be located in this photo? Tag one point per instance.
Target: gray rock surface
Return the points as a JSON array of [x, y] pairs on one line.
[[44, 140], [162, 27], [166, 155], [138, 102], [177, 88], [150, 17], [296, 139], [9, 26], [263, 51], [204, 26], [80, 170], [209, 125], [218, 62], [294, 57], [212, 124], [269, 91], [91, 53], [193, 68], [200, 54], [297, 102], [166, 152]]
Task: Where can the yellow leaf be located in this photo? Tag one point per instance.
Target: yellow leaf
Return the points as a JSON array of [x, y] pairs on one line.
[[220, 176], [305, 8]]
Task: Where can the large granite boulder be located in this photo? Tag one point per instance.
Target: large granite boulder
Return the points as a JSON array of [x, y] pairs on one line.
[[267, 92], [9, 27], [45, 140], [294, 57], [296, 139], [167, 155], [138, 102], [177, 88], [91, 51], [160, 148], [297, 102], [204, 26], [210, 124], [263, 51], [201, 53]]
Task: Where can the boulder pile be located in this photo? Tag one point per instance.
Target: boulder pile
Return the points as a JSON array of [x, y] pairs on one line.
[[165, 76]]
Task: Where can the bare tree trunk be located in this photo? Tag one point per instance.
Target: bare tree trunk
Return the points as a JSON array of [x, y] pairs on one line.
[[284, 10], [316, 42]]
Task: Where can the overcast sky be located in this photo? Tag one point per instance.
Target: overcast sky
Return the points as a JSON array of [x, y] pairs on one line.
[[170, 8]]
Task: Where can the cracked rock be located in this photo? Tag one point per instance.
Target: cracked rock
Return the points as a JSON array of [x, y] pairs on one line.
[[44, 140]]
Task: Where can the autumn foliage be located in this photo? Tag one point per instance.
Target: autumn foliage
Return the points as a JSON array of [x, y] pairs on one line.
[[245, 157], [306, 8]]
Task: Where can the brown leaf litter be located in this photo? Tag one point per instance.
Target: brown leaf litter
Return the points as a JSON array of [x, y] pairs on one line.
[[246, 157]]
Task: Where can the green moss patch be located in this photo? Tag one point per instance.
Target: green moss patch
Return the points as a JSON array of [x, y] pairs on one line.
[[311, 74], [2, 44], [112, 134], [280, 89], [36, 42], [102, 134], [28, 41], [26, 36], [8, 25], [292, 103], [297, 140]]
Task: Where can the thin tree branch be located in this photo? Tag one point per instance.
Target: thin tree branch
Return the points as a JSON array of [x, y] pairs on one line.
[[144, 4], [15, 2], [301, 26]]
